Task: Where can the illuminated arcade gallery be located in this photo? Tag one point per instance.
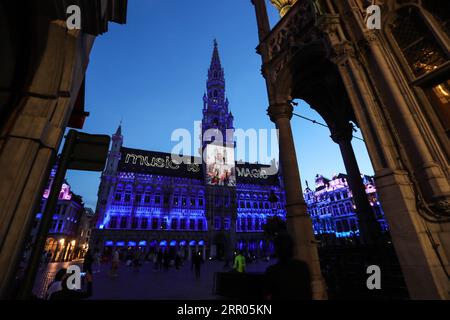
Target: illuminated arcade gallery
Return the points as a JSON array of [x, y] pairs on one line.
[[148, 201]]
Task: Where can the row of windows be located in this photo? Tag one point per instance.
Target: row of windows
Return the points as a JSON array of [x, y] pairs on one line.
[[327, 225], [346, 225], [336, 210], [323, 225], [147, 199], [255, 197], [328, 196], [221, 224], [341, 210], [58, 226], [341, 225], [184, 201], [156, 223], [250, 224], [258, 205]]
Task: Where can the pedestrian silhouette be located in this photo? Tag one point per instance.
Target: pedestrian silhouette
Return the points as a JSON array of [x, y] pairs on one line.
[[288, 279], [88, 261], [197, 261]]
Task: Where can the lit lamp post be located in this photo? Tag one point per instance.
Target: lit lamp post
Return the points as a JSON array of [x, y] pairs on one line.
[[61, 249], [72, 249]]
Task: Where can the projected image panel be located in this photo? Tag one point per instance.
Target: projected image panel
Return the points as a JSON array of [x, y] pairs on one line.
[[220, 170]]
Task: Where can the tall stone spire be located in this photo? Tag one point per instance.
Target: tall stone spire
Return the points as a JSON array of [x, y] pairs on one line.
[[215, 103], [119, 130], [216, 77]]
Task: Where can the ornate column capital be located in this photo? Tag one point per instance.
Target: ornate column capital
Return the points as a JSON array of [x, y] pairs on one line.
[[280, 111], [342, 51], [343, 133], [371, 35]]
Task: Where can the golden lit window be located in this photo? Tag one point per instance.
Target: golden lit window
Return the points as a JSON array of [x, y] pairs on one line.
[[439, 95]]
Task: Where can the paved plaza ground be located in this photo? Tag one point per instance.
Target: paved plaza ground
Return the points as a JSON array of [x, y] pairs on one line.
[[147, 284]]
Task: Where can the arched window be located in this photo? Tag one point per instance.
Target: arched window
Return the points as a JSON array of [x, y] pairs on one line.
[[249, 224], [416, 42], [144, 223], [425, 55], [113, 222], [123, 223], [341, 209], [134, 222]]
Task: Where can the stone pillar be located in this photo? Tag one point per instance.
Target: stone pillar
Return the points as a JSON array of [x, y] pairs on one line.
[[420, 265], [368, 226], [298, 222], [28, 151], [262, 18], [415, 135]]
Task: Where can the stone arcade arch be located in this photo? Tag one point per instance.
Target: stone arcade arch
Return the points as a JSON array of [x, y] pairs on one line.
[[360, 68]]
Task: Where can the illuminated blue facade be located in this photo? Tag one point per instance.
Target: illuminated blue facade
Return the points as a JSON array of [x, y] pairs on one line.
[[332, 210], [147, 200]]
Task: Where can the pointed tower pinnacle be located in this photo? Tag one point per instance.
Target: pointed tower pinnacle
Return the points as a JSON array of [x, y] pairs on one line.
[[215, 104], [216, 78], [119, 129], [215, 60]]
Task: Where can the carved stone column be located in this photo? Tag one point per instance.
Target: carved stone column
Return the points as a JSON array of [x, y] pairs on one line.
[[368, 225], [261, 18], [298, 222], [420, 265]]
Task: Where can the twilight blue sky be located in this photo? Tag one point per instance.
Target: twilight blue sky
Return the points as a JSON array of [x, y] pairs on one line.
[[152, 71]]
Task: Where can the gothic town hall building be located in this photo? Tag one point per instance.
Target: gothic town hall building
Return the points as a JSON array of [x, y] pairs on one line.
[[149, 201]]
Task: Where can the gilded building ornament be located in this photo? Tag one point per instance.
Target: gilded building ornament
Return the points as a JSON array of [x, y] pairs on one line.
[[283, 6]]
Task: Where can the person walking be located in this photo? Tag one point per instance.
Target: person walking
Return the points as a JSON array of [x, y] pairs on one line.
[[98, 260], [177, 261], [88, 260], [155, 261], [136, 260], [115, 263], [43, 260], [49, 257], [69, 294], [239, 263], [160, 259], [166, 261], [56, 284], [197, 261]]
